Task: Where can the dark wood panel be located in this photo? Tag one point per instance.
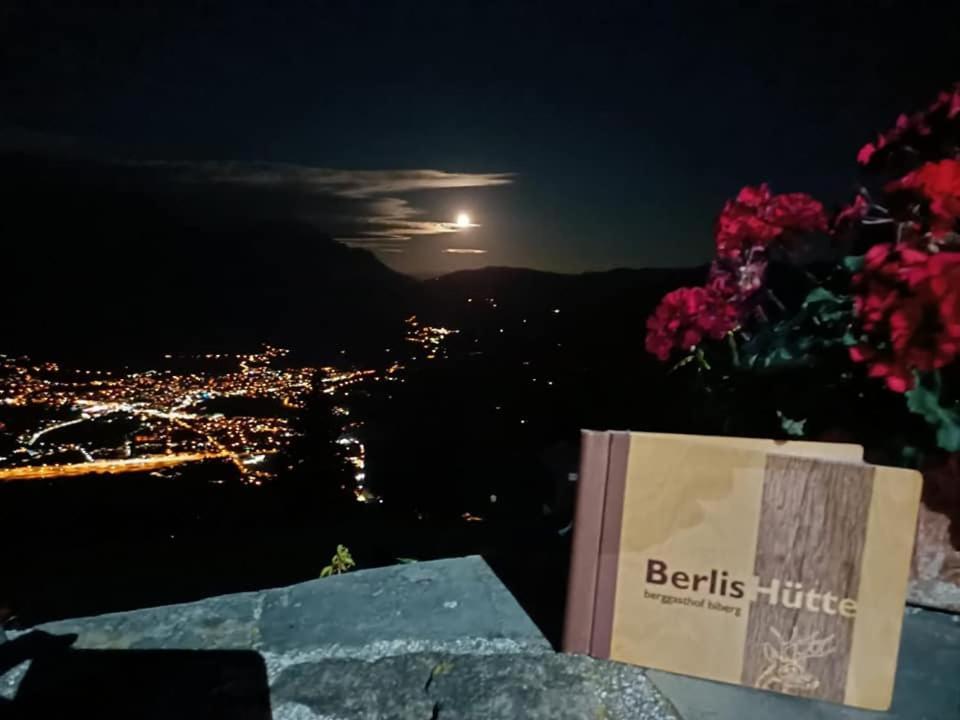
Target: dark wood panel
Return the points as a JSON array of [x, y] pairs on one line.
[[610, 545], [585, 555]]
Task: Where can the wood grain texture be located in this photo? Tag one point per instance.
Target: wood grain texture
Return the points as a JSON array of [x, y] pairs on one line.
[[812, 531]]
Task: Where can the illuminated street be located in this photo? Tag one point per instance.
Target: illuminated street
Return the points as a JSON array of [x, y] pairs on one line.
[[110, 467]]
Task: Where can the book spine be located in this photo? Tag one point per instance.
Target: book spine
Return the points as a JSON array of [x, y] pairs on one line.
[[605, 588], [585, 551]]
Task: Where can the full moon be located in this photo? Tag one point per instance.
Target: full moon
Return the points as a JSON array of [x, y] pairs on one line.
[[463, 220]]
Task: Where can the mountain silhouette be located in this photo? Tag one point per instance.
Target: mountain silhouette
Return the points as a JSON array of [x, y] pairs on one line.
[[96, 270], [105, 265]]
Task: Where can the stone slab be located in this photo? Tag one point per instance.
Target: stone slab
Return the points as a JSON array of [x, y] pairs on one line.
[[440, 605], [432, 602], [442, 639], [225, 622], [927, 685]]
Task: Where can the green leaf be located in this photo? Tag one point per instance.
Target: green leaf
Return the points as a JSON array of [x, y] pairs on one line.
[[822, 322], [948, 435], [685, 361], [853, 263], [826, 307], [734, 350], [793, 428], [924, 400], [344, 556], [820, 295], [702, 359]]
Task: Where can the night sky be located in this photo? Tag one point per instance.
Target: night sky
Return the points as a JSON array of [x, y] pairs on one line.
[[578, 136]]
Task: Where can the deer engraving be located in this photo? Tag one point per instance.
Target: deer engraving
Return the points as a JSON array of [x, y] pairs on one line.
[[786, 668]]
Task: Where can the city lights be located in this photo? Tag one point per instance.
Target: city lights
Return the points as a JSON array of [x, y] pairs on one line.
[[174, 425], [175, 416]]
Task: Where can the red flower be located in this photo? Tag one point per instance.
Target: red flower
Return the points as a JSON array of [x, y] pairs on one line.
[[751, 276], [942, 101], [908, 305], [685, 317], [739, 229], [723, 283], [736, 282], [918, 123], [939, 183], [756, 218], [856, 210], [754, 197], [866, 152], [796, 211]]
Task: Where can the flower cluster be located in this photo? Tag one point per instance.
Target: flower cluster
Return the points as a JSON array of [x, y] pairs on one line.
[[744, 231], [907, 303], [939, 184], [884, 294], [757, 217], [920, 124], [687, 316]]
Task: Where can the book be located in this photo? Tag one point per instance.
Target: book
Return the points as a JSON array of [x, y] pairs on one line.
[[781, 566]]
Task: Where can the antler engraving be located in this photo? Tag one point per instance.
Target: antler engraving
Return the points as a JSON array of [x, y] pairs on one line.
[[786, 667]]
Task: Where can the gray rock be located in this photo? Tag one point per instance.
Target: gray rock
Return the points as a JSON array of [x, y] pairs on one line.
[[467, 687], [927, 686], [431, 603], [444, 605], [219, 623], [441, 639]]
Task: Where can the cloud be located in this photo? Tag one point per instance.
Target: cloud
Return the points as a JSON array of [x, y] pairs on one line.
[[381, 210], [345, 183], [465, 251], [361, 208]]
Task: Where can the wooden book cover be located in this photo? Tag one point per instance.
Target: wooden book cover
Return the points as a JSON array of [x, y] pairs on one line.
[[777, 566]]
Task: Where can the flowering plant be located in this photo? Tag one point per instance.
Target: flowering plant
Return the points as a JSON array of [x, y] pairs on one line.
[[867, 295]]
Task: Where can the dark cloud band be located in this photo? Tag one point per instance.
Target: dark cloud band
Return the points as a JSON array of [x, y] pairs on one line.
[[358, 207]]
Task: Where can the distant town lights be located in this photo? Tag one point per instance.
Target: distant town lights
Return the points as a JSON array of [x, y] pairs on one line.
[[176, 427]]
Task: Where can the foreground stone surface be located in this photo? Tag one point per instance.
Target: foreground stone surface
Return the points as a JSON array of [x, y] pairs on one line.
[[935, 570], [468, 687], [927, 686], [442, 639], [438, 605]]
